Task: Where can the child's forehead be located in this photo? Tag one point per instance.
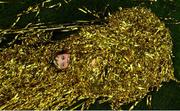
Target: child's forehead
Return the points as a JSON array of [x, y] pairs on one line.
[[65, 54]]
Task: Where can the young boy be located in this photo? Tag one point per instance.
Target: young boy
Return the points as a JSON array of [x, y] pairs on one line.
[[62, 59]]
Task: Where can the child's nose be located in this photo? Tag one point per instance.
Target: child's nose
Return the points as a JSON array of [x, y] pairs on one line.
[[65, 64]]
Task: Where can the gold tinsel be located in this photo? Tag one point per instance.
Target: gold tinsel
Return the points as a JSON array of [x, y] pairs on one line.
[[119, 62]]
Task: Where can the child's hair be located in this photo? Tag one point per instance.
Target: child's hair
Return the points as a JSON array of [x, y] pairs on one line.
[[61, 52]]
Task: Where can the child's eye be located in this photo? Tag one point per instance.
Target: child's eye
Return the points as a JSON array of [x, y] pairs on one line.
[[62, 57]]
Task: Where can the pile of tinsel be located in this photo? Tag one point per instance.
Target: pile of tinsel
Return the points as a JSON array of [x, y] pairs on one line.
[[116, 62]]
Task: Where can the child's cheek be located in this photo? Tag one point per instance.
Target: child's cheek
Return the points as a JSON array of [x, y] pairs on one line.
[[59, 61]]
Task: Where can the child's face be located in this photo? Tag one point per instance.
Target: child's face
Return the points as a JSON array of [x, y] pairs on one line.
[[62, 60]]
